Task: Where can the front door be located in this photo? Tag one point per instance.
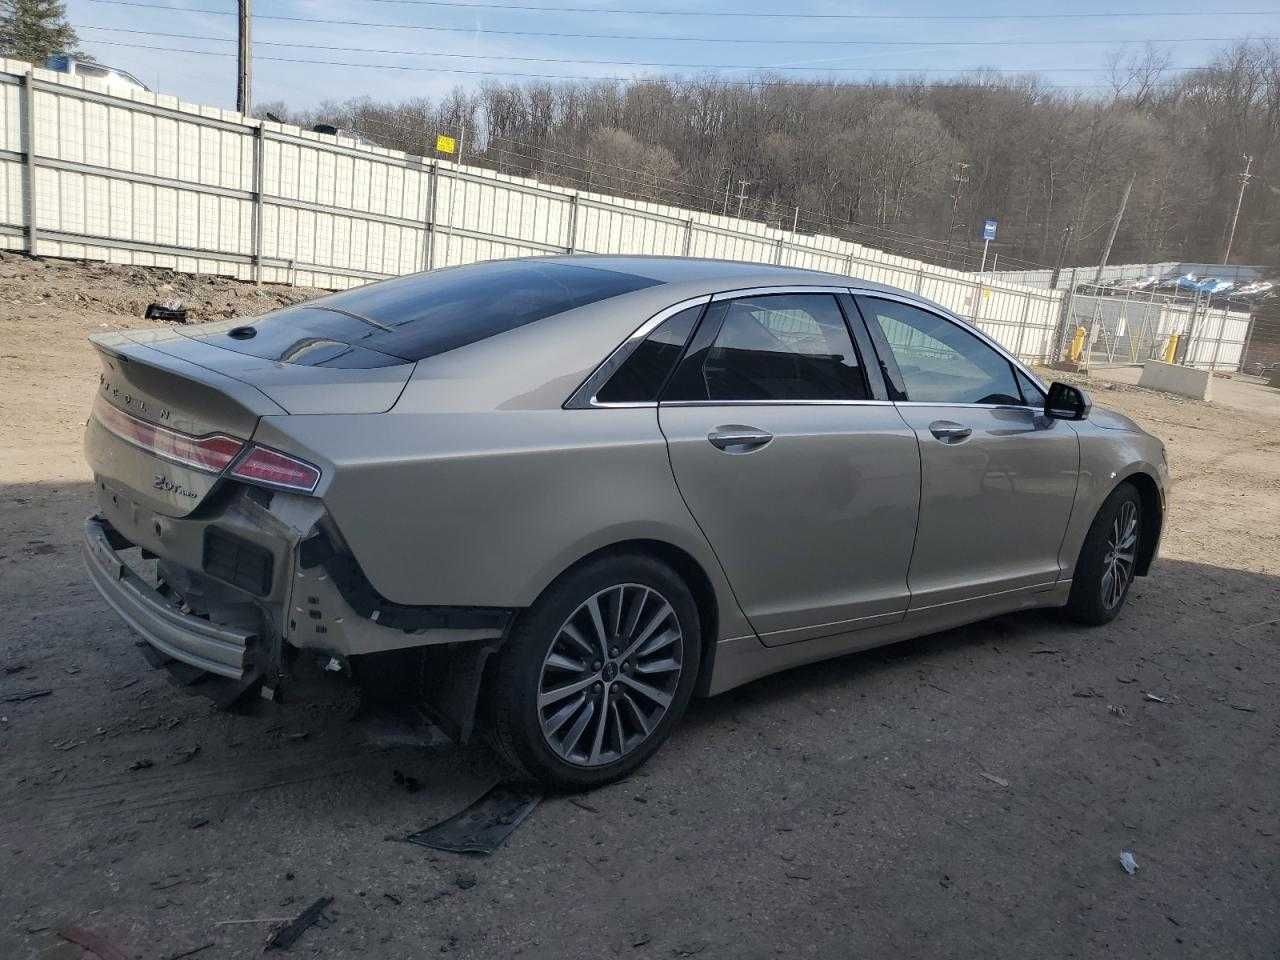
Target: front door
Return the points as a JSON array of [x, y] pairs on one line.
[[998, 477], [805, 486]]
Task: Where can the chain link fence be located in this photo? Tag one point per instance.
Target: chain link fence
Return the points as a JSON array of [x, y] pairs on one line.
[[1107, 326]]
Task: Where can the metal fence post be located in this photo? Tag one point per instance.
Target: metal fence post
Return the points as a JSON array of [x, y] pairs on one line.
[[1248, 340], [688, 236], [1022, 329], [572, 245], [1217, 343], [29, 112], [430, 227], [1064, 319], [259, 181], [1184, 346], [848, 263]]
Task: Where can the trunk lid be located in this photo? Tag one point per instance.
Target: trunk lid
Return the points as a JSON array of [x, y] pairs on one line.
[[143, 390], [303, 370]]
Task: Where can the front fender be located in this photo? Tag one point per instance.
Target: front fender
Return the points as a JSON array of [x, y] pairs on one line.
[[1109, 457]]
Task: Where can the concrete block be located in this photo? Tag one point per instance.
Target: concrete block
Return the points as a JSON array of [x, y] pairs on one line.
[[1172, 378]]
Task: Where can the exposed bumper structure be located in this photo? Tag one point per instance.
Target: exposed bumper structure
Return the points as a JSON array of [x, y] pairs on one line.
[[219, 649]]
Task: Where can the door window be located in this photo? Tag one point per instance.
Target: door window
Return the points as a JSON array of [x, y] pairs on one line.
[[940, 362], [776, 347], [1032, 395]]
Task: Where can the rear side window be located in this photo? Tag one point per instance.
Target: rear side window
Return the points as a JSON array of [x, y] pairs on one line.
[[641, 376], [782, 347], [426, 314]]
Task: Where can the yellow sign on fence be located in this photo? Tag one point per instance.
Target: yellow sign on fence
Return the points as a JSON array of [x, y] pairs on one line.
[[445, 144]]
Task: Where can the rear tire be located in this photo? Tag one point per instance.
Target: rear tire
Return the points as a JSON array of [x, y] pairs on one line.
[[1108, 559], [596, 673]]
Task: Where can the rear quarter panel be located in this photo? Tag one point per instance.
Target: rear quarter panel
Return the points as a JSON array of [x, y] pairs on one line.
[[486, 508]]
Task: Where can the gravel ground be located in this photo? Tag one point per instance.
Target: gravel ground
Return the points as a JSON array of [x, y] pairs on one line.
[[962, 795]]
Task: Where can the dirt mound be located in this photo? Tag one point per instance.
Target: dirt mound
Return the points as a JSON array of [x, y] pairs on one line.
[[113, 292]]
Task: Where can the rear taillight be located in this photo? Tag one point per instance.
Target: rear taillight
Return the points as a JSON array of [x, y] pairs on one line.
[[275, 469], [211, 453]]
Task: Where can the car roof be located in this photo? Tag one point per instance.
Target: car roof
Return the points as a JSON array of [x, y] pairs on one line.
[[724, 274], [539, 364]]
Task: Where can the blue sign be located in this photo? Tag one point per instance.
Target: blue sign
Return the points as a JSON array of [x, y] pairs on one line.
[[988, 230]]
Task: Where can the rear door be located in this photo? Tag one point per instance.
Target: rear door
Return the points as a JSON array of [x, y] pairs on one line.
[[804, 482], [998, 476]]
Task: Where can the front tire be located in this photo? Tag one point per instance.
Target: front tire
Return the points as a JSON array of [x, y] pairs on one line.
[[596, 673], [1108, 559]]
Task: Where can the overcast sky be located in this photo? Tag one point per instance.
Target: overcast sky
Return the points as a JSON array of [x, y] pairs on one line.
[[113, 33]]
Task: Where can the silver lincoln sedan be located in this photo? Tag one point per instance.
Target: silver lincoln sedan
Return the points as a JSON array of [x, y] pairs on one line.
[[553, 498]]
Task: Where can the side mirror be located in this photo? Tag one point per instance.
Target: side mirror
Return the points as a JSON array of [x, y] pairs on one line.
[[1066, 402]]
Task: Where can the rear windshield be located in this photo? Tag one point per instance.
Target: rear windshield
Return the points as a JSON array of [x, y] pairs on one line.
[[430, 313]]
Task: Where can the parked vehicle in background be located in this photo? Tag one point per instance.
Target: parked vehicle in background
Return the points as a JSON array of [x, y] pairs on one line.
[[577, 490], [114, 78], [1255, 292]]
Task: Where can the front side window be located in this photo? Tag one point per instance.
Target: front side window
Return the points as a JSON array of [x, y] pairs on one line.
[[940, 362], [642, 374], [778, 347], [1032, 395]]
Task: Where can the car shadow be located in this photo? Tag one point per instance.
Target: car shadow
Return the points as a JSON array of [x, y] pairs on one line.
[[67, 638], [1178, 596]]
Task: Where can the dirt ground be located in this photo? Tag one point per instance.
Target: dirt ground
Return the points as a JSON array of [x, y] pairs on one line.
[[962, 795]]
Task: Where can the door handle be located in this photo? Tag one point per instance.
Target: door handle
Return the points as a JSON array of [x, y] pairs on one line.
[[736, 438], [948, 431]]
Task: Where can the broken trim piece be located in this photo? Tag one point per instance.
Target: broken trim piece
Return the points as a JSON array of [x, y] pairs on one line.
[[486, 824]]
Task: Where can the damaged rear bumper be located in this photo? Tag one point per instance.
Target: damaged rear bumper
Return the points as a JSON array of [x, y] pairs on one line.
[[219, 649], [242, 587]]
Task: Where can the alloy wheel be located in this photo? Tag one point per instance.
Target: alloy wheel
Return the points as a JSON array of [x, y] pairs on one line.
[[610, 674], [1118, 562]]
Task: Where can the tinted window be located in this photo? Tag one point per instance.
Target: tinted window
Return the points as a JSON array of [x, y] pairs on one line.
[[641, 376], [785, 347], [941, 362], [426, 314], [1032, 395]]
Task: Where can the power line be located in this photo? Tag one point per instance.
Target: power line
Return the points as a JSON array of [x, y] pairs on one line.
[[879, 233], [760, 15], [760, 81], [772, 41], [614, 63]]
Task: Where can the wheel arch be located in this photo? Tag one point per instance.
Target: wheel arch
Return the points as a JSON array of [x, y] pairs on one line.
[[1152, 517], [690, 570]]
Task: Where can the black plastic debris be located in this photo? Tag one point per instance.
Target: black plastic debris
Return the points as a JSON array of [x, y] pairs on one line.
[[287, 935], [170, 310], [485, 825]]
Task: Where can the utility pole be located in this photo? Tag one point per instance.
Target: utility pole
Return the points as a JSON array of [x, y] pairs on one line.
[[1115, 228], [960, 180], [244, 78], [742, 195], [1245, 177], [1092, 334], [1062, 255]]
